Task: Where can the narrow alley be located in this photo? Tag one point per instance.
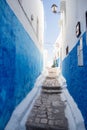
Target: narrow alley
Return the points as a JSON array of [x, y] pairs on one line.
[[43, 64]]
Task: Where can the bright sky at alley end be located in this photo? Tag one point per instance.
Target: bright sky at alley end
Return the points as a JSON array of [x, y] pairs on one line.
[[52, 28]]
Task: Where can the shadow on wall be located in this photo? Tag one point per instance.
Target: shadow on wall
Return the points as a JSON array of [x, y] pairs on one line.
[[20, 63], [76, 77]]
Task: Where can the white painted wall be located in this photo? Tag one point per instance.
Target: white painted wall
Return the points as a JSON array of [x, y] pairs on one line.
[[58, 45], [35, 8], [73, 12]]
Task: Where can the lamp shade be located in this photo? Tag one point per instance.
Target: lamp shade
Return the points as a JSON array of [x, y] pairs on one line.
[[54, 8]]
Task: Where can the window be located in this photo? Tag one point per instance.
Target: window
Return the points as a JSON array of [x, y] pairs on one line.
[[37, 28], [67, 50], [80, 53], [86, 26], [86, 19]]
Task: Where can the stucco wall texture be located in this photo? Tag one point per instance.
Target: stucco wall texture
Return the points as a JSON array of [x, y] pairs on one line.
[[76, 77], [20, 63]]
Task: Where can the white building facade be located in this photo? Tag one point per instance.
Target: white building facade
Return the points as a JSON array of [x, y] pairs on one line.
[[31, 15], [74, 50]]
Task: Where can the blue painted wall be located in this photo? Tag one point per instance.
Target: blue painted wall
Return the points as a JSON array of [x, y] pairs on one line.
[[20, 63], [76, 77]]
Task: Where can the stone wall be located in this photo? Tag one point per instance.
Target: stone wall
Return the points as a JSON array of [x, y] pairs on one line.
[[76, 77], [20, 63]]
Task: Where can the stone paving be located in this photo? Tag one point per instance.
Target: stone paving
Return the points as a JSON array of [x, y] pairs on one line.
[[48, 110], [51, 85]]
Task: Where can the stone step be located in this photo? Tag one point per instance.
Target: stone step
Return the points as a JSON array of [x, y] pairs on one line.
[[52, 77], [51, 82], [51, 91], [52, 87], [42, 127]]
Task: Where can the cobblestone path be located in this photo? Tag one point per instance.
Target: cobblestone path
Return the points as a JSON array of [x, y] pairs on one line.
[[48, 110]]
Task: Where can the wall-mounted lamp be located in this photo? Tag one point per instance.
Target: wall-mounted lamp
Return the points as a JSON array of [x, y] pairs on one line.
[[54, 9]]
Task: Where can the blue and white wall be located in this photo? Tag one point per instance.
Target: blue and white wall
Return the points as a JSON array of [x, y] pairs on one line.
[[21, 57], [74, 58]]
